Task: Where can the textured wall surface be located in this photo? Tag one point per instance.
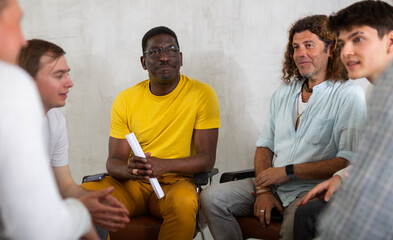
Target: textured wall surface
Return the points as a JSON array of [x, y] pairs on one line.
[[234, 45]]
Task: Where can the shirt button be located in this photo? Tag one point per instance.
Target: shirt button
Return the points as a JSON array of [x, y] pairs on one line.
[[290, 160], [296, 141]]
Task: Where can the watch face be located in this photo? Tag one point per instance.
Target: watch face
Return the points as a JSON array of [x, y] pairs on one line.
[[289, 169], [290, 172]]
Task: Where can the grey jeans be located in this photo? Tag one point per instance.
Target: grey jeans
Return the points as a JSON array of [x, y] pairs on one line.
[[222, 202]]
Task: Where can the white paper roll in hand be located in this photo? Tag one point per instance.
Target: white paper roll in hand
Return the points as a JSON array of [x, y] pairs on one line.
[[137, 149]]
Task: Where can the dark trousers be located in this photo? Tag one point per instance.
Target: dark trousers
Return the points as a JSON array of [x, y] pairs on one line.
[[102, 233], [306, 218]]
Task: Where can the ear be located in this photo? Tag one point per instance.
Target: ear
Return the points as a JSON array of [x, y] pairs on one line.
[[181, 59], [389, 35], [143, 62]]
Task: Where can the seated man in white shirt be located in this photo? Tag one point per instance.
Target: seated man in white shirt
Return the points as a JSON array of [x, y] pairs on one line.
[[46, 63], [30, 203]]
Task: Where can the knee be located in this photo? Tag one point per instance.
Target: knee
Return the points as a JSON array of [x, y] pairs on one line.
[[309, 212], [120, 193], [301, 214], [208, 197], [182, 202], [213, 197], [95, 186], [302, 211]]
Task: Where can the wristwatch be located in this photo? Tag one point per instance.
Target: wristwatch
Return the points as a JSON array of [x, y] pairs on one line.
[[290, 172]]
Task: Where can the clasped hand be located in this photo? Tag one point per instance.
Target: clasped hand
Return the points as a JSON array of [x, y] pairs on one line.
[[145, 168], [105, 210], [271, 176]]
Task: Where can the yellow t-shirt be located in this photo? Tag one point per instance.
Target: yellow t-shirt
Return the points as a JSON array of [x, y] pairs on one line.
[[164, 125]]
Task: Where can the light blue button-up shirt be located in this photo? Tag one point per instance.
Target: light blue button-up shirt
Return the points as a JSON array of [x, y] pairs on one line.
[[328, 128]]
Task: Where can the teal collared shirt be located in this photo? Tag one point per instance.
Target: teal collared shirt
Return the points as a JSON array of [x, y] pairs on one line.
[[329, 128]]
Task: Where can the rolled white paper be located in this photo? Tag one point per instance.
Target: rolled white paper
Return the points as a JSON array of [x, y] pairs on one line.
[[137, 149]]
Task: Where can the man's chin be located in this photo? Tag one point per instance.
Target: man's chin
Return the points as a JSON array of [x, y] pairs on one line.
[[167, 78], [306, 75], [355, 75], [59, 105]]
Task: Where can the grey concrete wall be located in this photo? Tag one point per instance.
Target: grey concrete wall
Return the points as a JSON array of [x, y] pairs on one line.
[[234, 45]]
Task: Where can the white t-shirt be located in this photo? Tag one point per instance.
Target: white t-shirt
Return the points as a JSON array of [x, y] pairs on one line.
[[30, 203], [56, 132]]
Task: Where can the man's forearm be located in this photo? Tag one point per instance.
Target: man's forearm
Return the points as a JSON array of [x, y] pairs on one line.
[[74, 191], [319, 170], [189, 165], [263, 159], [117, 168]]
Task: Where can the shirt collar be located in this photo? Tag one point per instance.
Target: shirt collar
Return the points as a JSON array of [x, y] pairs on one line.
[[315, 89]]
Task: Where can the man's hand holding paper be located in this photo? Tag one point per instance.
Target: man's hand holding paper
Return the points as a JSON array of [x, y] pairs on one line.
[[144, 168], [139, 168], [158, 166]]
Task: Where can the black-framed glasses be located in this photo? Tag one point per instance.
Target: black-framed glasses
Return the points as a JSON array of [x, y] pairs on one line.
[[156, 52]]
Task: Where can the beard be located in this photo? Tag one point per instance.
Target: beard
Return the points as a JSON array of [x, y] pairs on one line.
[[306, 75]]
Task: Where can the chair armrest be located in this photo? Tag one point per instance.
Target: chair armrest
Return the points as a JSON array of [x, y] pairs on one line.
[[236, 175], [203, 178], [94, 177]]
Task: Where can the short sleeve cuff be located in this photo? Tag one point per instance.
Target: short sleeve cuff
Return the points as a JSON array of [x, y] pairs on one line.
[[118, 136], [263, 142], [58, 164], [212, 124], [343, 173], [348, 155]]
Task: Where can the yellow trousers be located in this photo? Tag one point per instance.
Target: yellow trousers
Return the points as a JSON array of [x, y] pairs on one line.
[[177, 209]]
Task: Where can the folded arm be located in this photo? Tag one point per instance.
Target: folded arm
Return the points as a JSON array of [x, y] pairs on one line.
[[323, 169]]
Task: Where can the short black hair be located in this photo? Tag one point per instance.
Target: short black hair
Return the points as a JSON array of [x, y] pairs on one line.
[[375, 14], [155, 31]]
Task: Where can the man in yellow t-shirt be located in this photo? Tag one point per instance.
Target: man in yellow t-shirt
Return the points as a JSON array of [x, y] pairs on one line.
[[176, 121]]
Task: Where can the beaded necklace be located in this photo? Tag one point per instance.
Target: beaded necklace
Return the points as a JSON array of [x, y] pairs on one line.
[[306, 87]]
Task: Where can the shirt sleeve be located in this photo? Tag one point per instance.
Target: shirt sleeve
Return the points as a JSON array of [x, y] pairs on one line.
[[58, 139], [208, 115], [31, 206], [266, 139], [119, 124], [350, 121], [344, 173]]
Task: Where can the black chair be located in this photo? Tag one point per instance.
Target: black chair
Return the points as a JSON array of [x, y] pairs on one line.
[[251, 227], [148, 227]]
